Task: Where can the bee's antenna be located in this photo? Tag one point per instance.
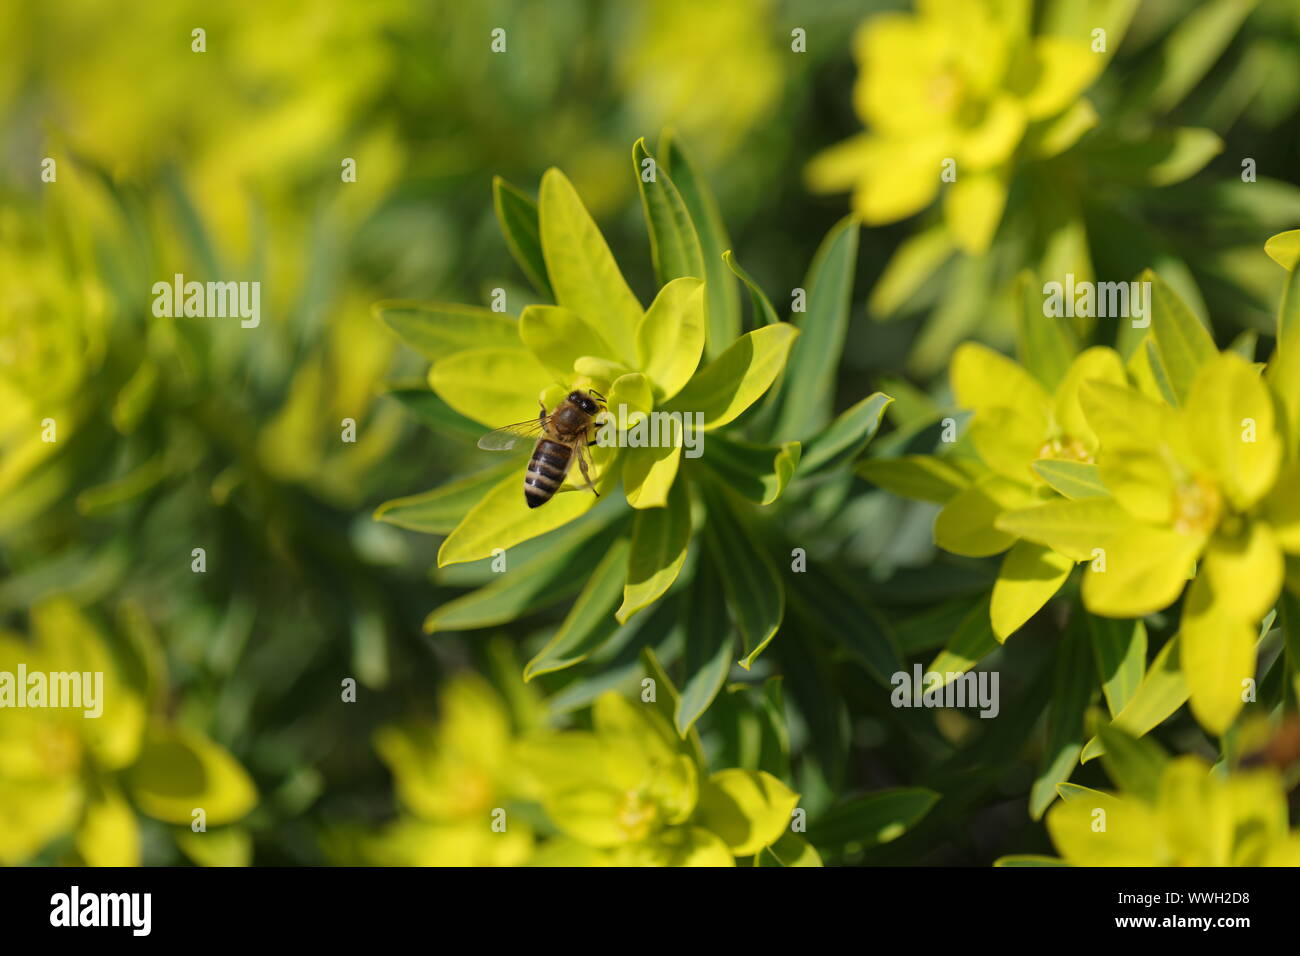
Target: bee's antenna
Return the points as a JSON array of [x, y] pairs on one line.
[[597, 394]]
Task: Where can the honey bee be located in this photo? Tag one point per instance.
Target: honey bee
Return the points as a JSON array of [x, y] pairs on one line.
[[561, 436]]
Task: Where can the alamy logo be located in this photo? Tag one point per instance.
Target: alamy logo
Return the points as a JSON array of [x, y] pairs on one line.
[[631, 429], [1102, 300], [952, 689], [84, 689], [209, 300], [102, 909]]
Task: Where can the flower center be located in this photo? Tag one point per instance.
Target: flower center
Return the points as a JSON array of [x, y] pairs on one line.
[[637, 816], [473, 791], [59, 749], [1063, 446], [946, 89], [1197, 506]]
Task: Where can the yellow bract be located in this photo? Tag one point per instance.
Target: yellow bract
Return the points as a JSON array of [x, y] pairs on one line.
[[62, 771], [596, 337], [952, 89], [1195, 818]]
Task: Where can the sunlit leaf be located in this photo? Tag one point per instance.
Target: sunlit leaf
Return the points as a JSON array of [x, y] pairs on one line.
[[734, 380], [674, 244], [517, 215], [582, 270]]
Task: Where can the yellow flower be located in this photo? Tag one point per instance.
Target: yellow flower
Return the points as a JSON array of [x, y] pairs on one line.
[[952, 89], [1190, 817], [64, 771], [455, 780]]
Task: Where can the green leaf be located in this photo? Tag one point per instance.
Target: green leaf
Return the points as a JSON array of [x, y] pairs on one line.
[[1184, 343], [1045, 346], [432, 412], [503, 519], [915, 260], [1284, 248], [437, 330], [970, 524], [1283, 372], [517, 216], [119, 491], [970, 643], [1162, 691], [735, 379], [722, 300], [1161, 158], [1120, 651], [590, 622], [846, 437], [757, 472], [922, 477], [1073, 479], [1030, 576], [762, 304], [670, 339], [836, 608], [559, 337], [649, 473], [1072, 692], [873, 819], [807, 389], [1134, 764], [1073, 793], [134, 399], [181, 770], [1159, 373], [674, 244], [754, 592], [1288, 314], [774, 752], [660, 538], [546, 578], [494, 387], [709, 646], [666, 702], [440, 510], [1192, 47], [790, 850], [583, 272]]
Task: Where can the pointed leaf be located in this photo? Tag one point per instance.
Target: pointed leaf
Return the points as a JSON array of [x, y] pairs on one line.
[[582, 270], [807, 386], [660, 538], [590, 622], [517, 216], [674, 244]]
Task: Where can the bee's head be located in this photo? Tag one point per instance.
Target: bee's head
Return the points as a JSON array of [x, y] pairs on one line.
[[587, 400]]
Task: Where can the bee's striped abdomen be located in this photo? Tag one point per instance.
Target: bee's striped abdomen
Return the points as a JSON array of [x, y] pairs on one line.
[[546, 470]]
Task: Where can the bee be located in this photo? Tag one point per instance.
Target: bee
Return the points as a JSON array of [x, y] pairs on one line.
[[562, 436]]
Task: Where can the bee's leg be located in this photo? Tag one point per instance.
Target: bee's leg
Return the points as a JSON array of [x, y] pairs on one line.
[[541, 416], [582, 464]]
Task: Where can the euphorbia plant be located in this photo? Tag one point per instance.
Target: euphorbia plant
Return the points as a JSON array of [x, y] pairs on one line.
[[83, 775], [684, 355], [1179, 465], [1170, 812]]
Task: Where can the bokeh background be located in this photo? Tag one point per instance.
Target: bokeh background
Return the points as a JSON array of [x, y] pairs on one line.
[[176, 434]]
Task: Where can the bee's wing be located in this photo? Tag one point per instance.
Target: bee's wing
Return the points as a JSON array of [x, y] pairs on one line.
[[509, 436]]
